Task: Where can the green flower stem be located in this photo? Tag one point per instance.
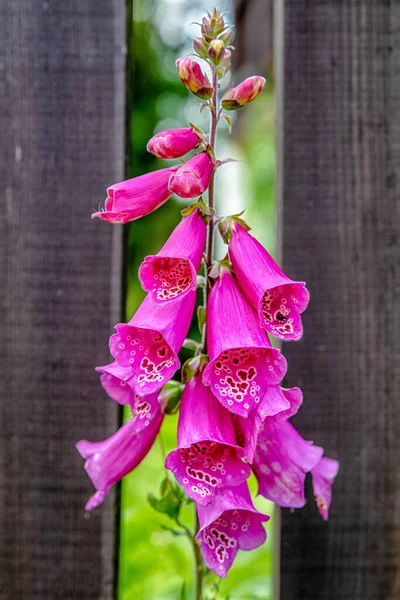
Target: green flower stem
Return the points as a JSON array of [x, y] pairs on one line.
[[199, 568]]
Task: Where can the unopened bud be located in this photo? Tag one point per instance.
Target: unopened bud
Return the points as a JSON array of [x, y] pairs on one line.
[[206, 29], [216, 51], [225, 64], [200, 46], [227, 38], [245, 92], [193, 77]]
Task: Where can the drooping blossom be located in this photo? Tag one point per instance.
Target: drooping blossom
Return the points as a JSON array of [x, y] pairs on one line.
[[150, 342], [110, 460], [243, 363], [243, 94], [174, 143], [281, 461], [115, 381], [230, 523], [172, 272], [192, 178], [207, 457], [323, 476], [137, 197], [278, 300], [278, 404], [193, 77]]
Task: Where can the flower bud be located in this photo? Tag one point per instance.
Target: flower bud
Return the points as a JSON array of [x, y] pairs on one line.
[[216, 51], [200, 46], [173, 143], [193, 77], [192, 178], [225, 64], [245, 92], [226, 37], [206, 29]]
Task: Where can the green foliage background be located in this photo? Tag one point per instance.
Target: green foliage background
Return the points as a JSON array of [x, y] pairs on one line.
[[153, 563]]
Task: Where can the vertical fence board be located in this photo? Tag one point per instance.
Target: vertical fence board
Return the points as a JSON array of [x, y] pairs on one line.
[[340, 191], [61, 116]]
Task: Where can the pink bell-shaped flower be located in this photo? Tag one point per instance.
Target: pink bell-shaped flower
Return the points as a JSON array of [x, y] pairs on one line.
[[243, 363], [281, 461], [230, 523], [150, 342], [137, 197], [207, 457], [243, 94], [278, 300], [110, 460], [174, 143], [172, 272], [193, 77], [192, 178]]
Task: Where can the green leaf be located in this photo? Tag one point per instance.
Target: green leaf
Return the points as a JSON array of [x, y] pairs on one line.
[[228, 121], [170, 501], [201, 317]]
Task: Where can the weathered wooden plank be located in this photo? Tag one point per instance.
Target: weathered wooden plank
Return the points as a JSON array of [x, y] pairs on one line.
[[340, 186], [61, 118]]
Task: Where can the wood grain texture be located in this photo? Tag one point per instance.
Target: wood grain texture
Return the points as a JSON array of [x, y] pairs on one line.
[[61, 118], [340, 192]]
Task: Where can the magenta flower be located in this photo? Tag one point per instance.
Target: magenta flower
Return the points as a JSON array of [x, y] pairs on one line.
[[242, 94], [173, 143], [207, 457], [278, 299], [323, 476], [278, 404], [230, 523], [137, 197], [243, 363], [171, 273], [192, 178], [150, 342], [193, 77], [110, 460], [115, 381], [281, 461]]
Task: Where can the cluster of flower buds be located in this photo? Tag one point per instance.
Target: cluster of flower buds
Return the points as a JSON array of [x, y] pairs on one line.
[[234, 414]]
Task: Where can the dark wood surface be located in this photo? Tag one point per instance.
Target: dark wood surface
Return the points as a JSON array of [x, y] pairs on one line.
[[340, 187], [61, 144]]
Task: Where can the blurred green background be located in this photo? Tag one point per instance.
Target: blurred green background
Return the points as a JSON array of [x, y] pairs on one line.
[[153, 564]]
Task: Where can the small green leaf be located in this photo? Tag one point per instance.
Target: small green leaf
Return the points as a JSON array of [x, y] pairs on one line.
[[201, 317], [171, 499], [192, 365], [228, 121], [190, 344]]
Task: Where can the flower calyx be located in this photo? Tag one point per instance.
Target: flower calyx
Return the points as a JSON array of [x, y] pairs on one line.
[[226, 224], [192, 366], [206, 212], [170, 397]]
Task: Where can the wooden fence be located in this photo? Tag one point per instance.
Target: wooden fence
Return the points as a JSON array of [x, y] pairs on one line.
[[62, 123]]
